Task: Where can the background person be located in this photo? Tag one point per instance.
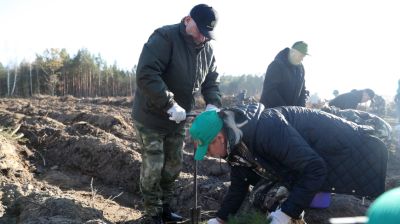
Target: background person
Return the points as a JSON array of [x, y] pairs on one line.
[[351, 99], [284, 83]]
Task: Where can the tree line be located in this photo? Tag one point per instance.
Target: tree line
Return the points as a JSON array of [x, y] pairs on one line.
[[55, 72]]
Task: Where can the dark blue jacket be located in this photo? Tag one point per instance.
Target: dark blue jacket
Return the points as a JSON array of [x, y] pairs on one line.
[[348, 100], [313, 150]]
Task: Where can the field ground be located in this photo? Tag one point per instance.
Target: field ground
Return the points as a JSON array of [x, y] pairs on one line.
[[79, 162]]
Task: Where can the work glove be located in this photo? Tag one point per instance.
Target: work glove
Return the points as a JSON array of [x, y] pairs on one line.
[[213, 221], [279, 217], [211, 107], [176, 113]]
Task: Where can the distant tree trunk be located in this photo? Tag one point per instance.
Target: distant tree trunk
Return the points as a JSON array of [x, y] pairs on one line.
[[130, 84], [37, 80], [15, 80], [30, 79], [90, 83], [64, 92], [99, 88], [80, 82], [8, 82], [112, 83], [107, 86], [73, 87]]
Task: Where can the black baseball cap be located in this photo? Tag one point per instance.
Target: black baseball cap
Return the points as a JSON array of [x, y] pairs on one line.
[[206, 19]]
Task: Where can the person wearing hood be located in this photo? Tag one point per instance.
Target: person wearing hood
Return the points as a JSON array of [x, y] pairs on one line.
[[284, 82], [176, 62], [304, 150]]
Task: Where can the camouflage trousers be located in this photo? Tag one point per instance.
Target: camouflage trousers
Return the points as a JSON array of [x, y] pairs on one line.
[[161, 165]]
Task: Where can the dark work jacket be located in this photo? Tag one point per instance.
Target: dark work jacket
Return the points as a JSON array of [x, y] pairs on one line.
[[284, 83], [172, 69], [348, 100], [311, 150]]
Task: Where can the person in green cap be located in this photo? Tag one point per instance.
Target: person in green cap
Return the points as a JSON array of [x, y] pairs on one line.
[[284, 82], [386, 208], [304, 150]]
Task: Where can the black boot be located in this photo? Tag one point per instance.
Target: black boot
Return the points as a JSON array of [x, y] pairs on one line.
[[157, 219], [169, 216]]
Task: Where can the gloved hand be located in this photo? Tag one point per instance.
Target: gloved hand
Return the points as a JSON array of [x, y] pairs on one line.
[[177, 113], [214, 221], [211, 107], [279, 217]]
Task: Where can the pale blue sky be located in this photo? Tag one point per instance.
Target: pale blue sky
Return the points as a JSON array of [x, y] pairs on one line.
[[353, 43]]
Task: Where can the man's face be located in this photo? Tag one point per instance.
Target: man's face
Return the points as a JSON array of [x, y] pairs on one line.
[[296, 57], [192, 30], [217, 148]]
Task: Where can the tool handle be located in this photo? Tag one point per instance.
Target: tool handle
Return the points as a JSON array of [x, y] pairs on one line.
[[191, 114]]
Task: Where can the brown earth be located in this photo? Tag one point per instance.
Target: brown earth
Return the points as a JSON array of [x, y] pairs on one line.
[[79, 162]]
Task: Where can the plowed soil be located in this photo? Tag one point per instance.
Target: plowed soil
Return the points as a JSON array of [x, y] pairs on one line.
[[78, 161]]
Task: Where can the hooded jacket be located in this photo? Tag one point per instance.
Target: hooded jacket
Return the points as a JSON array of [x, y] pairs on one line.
[[172, 68], [310, 150], [284, 83]]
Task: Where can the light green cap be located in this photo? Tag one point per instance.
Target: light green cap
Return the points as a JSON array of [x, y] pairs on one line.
[[204, 129], [301, 46], [386, 208]]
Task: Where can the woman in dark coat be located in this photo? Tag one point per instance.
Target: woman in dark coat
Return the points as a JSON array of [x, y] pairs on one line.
[[306, 150]]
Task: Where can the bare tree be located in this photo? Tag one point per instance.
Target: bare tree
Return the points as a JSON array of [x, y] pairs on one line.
[[37, 79], [15, 80], [8, 81], [30, 78]]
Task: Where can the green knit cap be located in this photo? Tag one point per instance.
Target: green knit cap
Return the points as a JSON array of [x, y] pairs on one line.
[[204, 129]]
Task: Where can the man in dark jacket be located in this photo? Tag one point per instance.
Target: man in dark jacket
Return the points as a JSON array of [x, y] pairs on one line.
[[284, 83], [176, 62], [305, 150], [351, 99]]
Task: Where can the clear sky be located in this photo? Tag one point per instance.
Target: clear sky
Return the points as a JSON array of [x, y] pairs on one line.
[[353, 44]]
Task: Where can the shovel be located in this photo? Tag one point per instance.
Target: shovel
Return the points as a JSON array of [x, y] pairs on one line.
[[196, 210]]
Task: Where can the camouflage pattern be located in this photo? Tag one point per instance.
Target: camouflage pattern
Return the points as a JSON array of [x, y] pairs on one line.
[[161, 164]]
